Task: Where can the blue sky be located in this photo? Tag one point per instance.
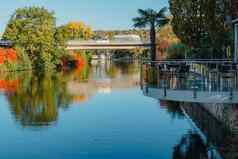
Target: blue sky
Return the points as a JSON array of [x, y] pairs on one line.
[[99, 14]]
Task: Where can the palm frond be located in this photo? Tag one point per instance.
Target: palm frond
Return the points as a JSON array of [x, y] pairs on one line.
[[162, 12], [151, 17], [139, 22], [162, 22], [142, 13]]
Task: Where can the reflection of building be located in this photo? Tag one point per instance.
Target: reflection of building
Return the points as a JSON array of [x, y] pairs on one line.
[[81, 92], [102, 79], [103, 86]]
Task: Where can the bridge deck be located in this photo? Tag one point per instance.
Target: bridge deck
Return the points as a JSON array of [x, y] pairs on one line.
[[72, 45]]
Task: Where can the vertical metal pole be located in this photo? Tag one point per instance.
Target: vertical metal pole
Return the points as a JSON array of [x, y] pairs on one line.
[[194, 93], [231, 94], [236, 42], [146, 89], [232, 85], [165, 89], [194, 89]]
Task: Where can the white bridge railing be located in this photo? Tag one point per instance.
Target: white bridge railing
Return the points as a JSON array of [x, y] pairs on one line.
[[103, 42]]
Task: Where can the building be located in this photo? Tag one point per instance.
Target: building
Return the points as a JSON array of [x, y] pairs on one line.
[[234, 9], [127, 38]]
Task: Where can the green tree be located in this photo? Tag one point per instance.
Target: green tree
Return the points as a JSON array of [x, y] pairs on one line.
[[153, 19], [201, 25], [33, 29]]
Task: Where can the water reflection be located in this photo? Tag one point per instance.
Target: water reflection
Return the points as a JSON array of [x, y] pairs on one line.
[[35, 99], [190, 147]]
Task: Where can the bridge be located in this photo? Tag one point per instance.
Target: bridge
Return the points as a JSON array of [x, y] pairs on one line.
[[6, 43], [119, 42]]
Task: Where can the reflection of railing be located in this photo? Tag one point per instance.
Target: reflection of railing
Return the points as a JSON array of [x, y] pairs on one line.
[[218, 123], [215, 132], [189, 61]]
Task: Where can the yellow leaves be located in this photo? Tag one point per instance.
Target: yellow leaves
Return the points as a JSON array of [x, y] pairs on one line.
[[167, 33], [88, 33], [79, 29], [76, 25]]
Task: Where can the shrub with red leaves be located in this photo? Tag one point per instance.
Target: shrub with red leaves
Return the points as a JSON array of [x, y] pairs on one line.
[[7, 55]]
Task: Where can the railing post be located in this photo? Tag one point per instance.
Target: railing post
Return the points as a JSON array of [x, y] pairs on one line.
[[146, 89], [194, 90], [231, 93], [165, 88]]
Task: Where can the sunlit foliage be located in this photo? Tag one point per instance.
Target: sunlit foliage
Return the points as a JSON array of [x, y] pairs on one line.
[[165, 38], [73, 31], [33, 29]]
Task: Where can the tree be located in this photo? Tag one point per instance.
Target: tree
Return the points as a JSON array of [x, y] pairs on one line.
[[153, 19], [166, 38], [201, 25], [33, 29], [73, 31]]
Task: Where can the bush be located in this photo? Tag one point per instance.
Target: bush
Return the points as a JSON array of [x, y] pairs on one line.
[[178, 51]]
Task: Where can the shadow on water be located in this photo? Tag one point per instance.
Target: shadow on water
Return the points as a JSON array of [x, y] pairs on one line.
[[35, 99], [214, 133]]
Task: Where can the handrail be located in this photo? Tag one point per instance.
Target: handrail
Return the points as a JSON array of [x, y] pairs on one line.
[[199, 61]]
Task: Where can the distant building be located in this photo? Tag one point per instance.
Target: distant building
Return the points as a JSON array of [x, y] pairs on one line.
[[127, 38]]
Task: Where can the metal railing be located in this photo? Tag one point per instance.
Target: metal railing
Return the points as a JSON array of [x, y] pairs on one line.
[[189, 61]]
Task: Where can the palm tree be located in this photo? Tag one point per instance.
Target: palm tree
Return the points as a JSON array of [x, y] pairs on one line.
[[153, 19]]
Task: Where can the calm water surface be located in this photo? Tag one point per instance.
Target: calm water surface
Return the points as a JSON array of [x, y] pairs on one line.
[[95, 112]]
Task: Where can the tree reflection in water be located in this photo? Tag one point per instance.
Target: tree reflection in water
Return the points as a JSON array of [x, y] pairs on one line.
[[35, 99]]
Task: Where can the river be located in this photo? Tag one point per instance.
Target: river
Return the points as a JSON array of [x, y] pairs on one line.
[[98, 112]]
